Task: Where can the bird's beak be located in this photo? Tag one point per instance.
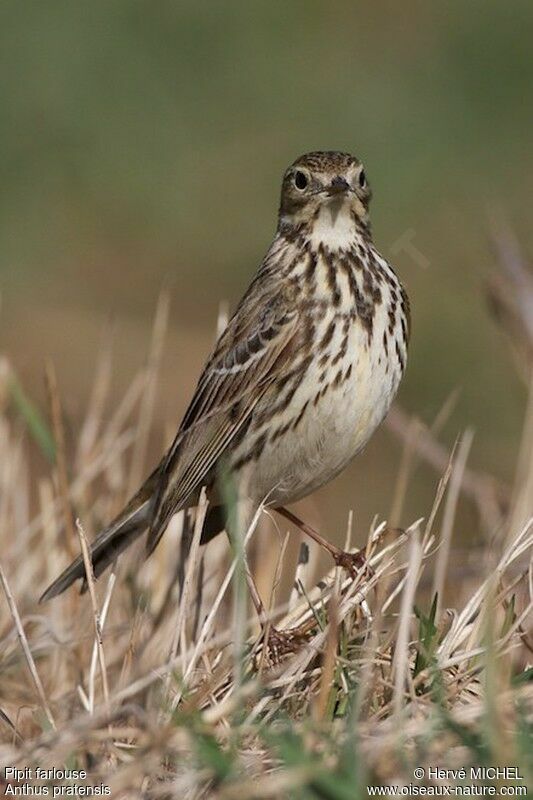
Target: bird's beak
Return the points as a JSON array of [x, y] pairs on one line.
[[338, 186]]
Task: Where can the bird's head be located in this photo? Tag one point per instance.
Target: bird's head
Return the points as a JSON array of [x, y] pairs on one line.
[[326, 189]]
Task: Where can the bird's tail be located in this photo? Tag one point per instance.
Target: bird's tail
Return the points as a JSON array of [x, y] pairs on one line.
[[116, 537]]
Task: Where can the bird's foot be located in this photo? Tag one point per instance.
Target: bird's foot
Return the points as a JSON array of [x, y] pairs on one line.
[[280, 643], [352, 562]]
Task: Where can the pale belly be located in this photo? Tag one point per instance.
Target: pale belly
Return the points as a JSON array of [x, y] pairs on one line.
[[334, 427]]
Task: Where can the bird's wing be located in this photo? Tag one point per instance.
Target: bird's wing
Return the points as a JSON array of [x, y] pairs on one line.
[[249, 355]]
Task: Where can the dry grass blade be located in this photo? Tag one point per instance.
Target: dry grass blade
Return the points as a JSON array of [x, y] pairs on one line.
[[401, 652], [184, 607], [89, 432], [61, 458], [522, 505], [25, 647], [95, 657], [450, 509], [467, 623], [147, 404], [329, 657], [5, 719], [96, 613]]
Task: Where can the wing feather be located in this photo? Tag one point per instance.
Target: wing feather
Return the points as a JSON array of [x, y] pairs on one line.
[[249, 355]]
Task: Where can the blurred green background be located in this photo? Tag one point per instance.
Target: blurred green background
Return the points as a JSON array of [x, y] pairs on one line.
[[143, 144]]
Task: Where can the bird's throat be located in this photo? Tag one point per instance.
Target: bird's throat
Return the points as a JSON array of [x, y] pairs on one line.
[[334, 226]]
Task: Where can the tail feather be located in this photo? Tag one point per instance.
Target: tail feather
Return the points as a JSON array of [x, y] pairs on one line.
[[124, 529], [131, 523]]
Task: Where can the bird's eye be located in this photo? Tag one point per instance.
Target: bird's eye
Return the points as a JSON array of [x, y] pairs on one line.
[[362, 179], [300, 180]]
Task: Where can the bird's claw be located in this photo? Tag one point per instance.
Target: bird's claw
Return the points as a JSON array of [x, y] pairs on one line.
[[351, 562], [279, 644]]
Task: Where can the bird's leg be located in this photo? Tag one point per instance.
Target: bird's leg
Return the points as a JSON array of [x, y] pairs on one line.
[[278, 643], [351, 562]]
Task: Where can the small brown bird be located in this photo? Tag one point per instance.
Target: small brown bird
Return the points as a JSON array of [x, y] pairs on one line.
[[299, 380]]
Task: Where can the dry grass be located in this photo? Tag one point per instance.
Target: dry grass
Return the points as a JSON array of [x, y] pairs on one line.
[[142, 683]]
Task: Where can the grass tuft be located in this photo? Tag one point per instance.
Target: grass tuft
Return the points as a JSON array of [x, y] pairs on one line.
[[152, 683]]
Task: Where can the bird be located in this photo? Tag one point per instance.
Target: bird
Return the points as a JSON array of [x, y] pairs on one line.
[[298, 381]]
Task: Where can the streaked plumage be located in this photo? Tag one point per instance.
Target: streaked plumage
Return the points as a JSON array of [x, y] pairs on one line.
[[301, 377]]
